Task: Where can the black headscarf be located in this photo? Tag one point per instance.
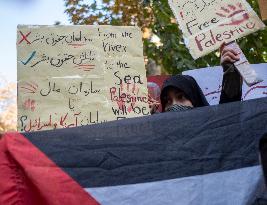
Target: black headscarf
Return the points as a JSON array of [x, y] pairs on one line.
[[188, 85]]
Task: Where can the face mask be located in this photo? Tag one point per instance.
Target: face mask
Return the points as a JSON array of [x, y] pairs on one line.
[[178, 108]]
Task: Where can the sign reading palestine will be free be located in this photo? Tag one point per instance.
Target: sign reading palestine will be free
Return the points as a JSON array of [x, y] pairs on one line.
[[71, 76], [206, 24]]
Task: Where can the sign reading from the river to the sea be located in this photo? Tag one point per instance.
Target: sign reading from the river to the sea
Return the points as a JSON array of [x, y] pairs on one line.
[[72, 76], [206, 24]]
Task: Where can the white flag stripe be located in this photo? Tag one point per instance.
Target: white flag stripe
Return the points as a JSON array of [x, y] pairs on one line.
[[235, 187]]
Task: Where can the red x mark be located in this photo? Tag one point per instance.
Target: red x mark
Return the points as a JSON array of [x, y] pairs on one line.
[[24, 37]]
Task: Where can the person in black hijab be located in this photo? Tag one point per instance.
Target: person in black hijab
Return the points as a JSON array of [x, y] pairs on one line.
[[181, 92]]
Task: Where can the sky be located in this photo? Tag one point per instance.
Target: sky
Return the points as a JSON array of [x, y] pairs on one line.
[[32, 12]]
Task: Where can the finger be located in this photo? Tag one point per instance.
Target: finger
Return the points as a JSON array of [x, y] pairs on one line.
[[150, 102], [227, 59], [152, 99], [154, 103], [231, 55], [225, 50]]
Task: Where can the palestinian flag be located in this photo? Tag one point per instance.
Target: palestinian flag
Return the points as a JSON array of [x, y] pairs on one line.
[[204, 156]]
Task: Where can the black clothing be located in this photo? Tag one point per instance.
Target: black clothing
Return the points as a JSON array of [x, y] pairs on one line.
[[263, 155], [231, 84]]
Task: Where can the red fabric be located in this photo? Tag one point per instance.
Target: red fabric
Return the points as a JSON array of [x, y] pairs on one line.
[[28, 177]]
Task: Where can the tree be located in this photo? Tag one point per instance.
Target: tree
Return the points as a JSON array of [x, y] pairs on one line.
[[156, 20]]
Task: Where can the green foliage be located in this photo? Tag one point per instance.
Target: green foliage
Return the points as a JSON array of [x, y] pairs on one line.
[[156, 16]]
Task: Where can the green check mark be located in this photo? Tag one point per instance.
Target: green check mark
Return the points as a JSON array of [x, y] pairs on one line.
[[29, 59]]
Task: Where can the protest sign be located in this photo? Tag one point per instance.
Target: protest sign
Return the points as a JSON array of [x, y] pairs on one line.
[[206, 24], [72, 76], [211, 85]]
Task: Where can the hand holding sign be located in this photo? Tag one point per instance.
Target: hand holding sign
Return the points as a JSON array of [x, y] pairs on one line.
[[242, 65], [228, 55]]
